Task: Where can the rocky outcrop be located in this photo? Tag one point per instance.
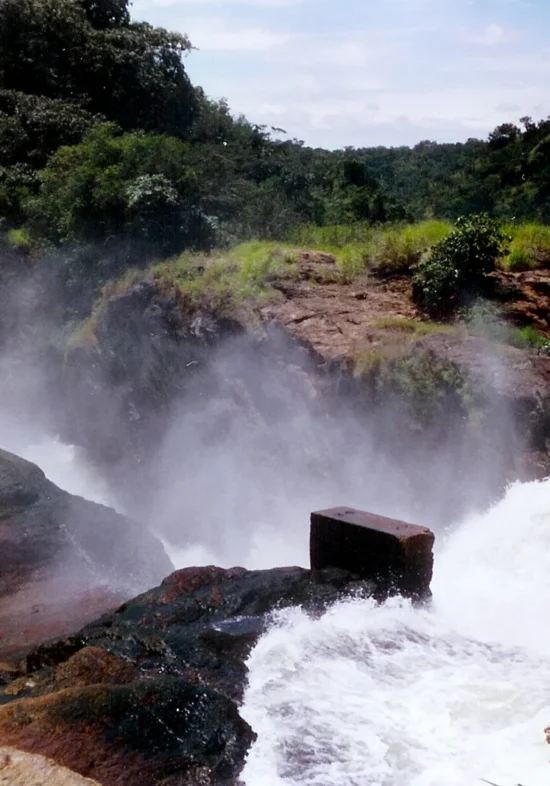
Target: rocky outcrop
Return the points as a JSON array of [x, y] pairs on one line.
[[149, 694], [526, 298], [145, 350], [63, 560], [436, 405]]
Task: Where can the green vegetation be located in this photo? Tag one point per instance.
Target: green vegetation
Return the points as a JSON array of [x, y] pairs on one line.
[[529, 247], [485, 319], [110, 160], [457, 266], [389, 250], [243, 278], [225, 282], [418, 388], [413, 327]]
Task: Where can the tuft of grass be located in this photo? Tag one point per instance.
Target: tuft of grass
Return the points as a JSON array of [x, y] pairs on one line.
[[229, 281], [396, 251], [388, 250], [485, 319], [529, 247], [334, 237], [413, 326], [528, 338]]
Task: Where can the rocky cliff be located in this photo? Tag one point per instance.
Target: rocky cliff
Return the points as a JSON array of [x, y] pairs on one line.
[[434, 405]]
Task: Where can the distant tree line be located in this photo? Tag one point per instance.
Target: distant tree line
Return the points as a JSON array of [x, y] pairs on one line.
[[105, 144]]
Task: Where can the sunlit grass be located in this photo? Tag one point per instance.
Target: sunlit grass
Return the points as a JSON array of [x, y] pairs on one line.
[[413, 326], [387, 250], [529, 247]]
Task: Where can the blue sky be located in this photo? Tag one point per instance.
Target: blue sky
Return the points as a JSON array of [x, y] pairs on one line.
[[368, 72]]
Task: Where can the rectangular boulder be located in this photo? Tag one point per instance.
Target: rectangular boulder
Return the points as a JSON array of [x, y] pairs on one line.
[[396, 555]]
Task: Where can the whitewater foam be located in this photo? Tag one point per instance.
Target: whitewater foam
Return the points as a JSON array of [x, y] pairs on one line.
[[398, 696]]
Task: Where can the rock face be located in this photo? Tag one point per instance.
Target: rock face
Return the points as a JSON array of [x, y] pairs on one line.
[[148, 694], [25, 769], [146, 351], [63, 560], [437, 406], [397, 555]]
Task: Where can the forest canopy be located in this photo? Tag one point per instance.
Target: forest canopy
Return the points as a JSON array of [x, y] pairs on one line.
[[104, 140]]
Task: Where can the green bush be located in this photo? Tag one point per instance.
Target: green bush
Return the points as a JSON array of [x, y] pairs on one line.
[[457, 267]]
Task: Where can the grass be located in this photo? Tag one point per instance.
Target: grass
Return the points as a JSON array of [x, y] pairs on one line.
[[486, 320], [225, 282], [528, 338], [231, 280], [397, 250], [413, 327], [360, 247], [529, 247]]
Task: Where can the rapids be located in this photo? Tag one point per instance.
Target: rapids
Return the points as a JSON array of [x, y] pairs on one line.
[[398, 696], [393, 695]]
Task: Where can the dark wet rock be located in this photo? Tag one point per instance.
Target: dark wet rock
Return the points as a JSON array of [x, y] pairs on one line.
[[149, 694], [63, 560], [144, 352]]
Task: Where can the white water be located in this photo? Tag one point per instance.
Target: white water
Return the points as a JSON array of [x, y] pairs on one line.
[[396, 696]]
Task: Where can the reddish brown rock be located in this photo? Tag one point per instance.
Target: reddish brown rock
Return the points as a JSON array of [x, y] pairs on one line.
[[150, 694], [395, 555]]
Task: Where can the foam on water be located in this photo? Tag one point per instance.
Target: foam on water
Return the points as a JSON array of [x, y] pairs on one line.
[[396, 696]]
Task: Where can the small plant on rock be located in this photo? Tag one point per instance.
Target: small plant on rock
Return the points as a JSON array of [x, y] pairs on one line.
[[457, 267]]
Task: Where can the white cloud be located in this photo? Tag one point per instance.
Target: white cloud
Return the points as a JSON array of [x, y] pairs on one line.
[[362, 73], [223, 3], [218, 34], [492, 35]]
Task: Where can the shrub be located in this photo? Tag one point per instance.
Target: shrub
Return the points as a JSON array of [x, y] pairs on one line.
[[457, 266]]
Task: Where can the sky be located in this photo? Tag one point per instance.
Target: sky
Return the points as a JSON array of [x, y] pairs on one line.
[[337, 73]]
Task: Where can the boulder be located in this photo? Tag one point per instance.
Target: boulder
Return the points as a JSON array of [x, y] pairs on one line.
[[63, 560], [150, 693]]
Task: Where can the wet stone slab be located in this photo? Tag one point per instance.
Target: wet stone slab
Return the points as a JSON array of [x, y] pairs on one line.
[[396, 555]]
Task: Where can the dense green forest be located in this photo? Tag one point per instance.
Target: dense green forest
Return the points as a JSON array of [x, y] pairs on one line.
[[107, 147]]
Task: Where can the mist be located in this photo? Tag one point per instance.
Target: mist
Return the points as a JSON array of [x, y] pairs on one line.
[[258, 438]]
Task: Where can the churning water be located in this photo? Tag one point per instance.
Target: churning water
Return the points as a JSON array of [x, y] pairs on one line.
[[392, 695], [397, 696]]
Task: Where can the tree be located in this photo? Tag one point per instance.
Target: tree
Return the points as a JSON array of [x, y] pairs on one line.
[[106, 13], [33, 127], [89, 52], [116, 187]]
